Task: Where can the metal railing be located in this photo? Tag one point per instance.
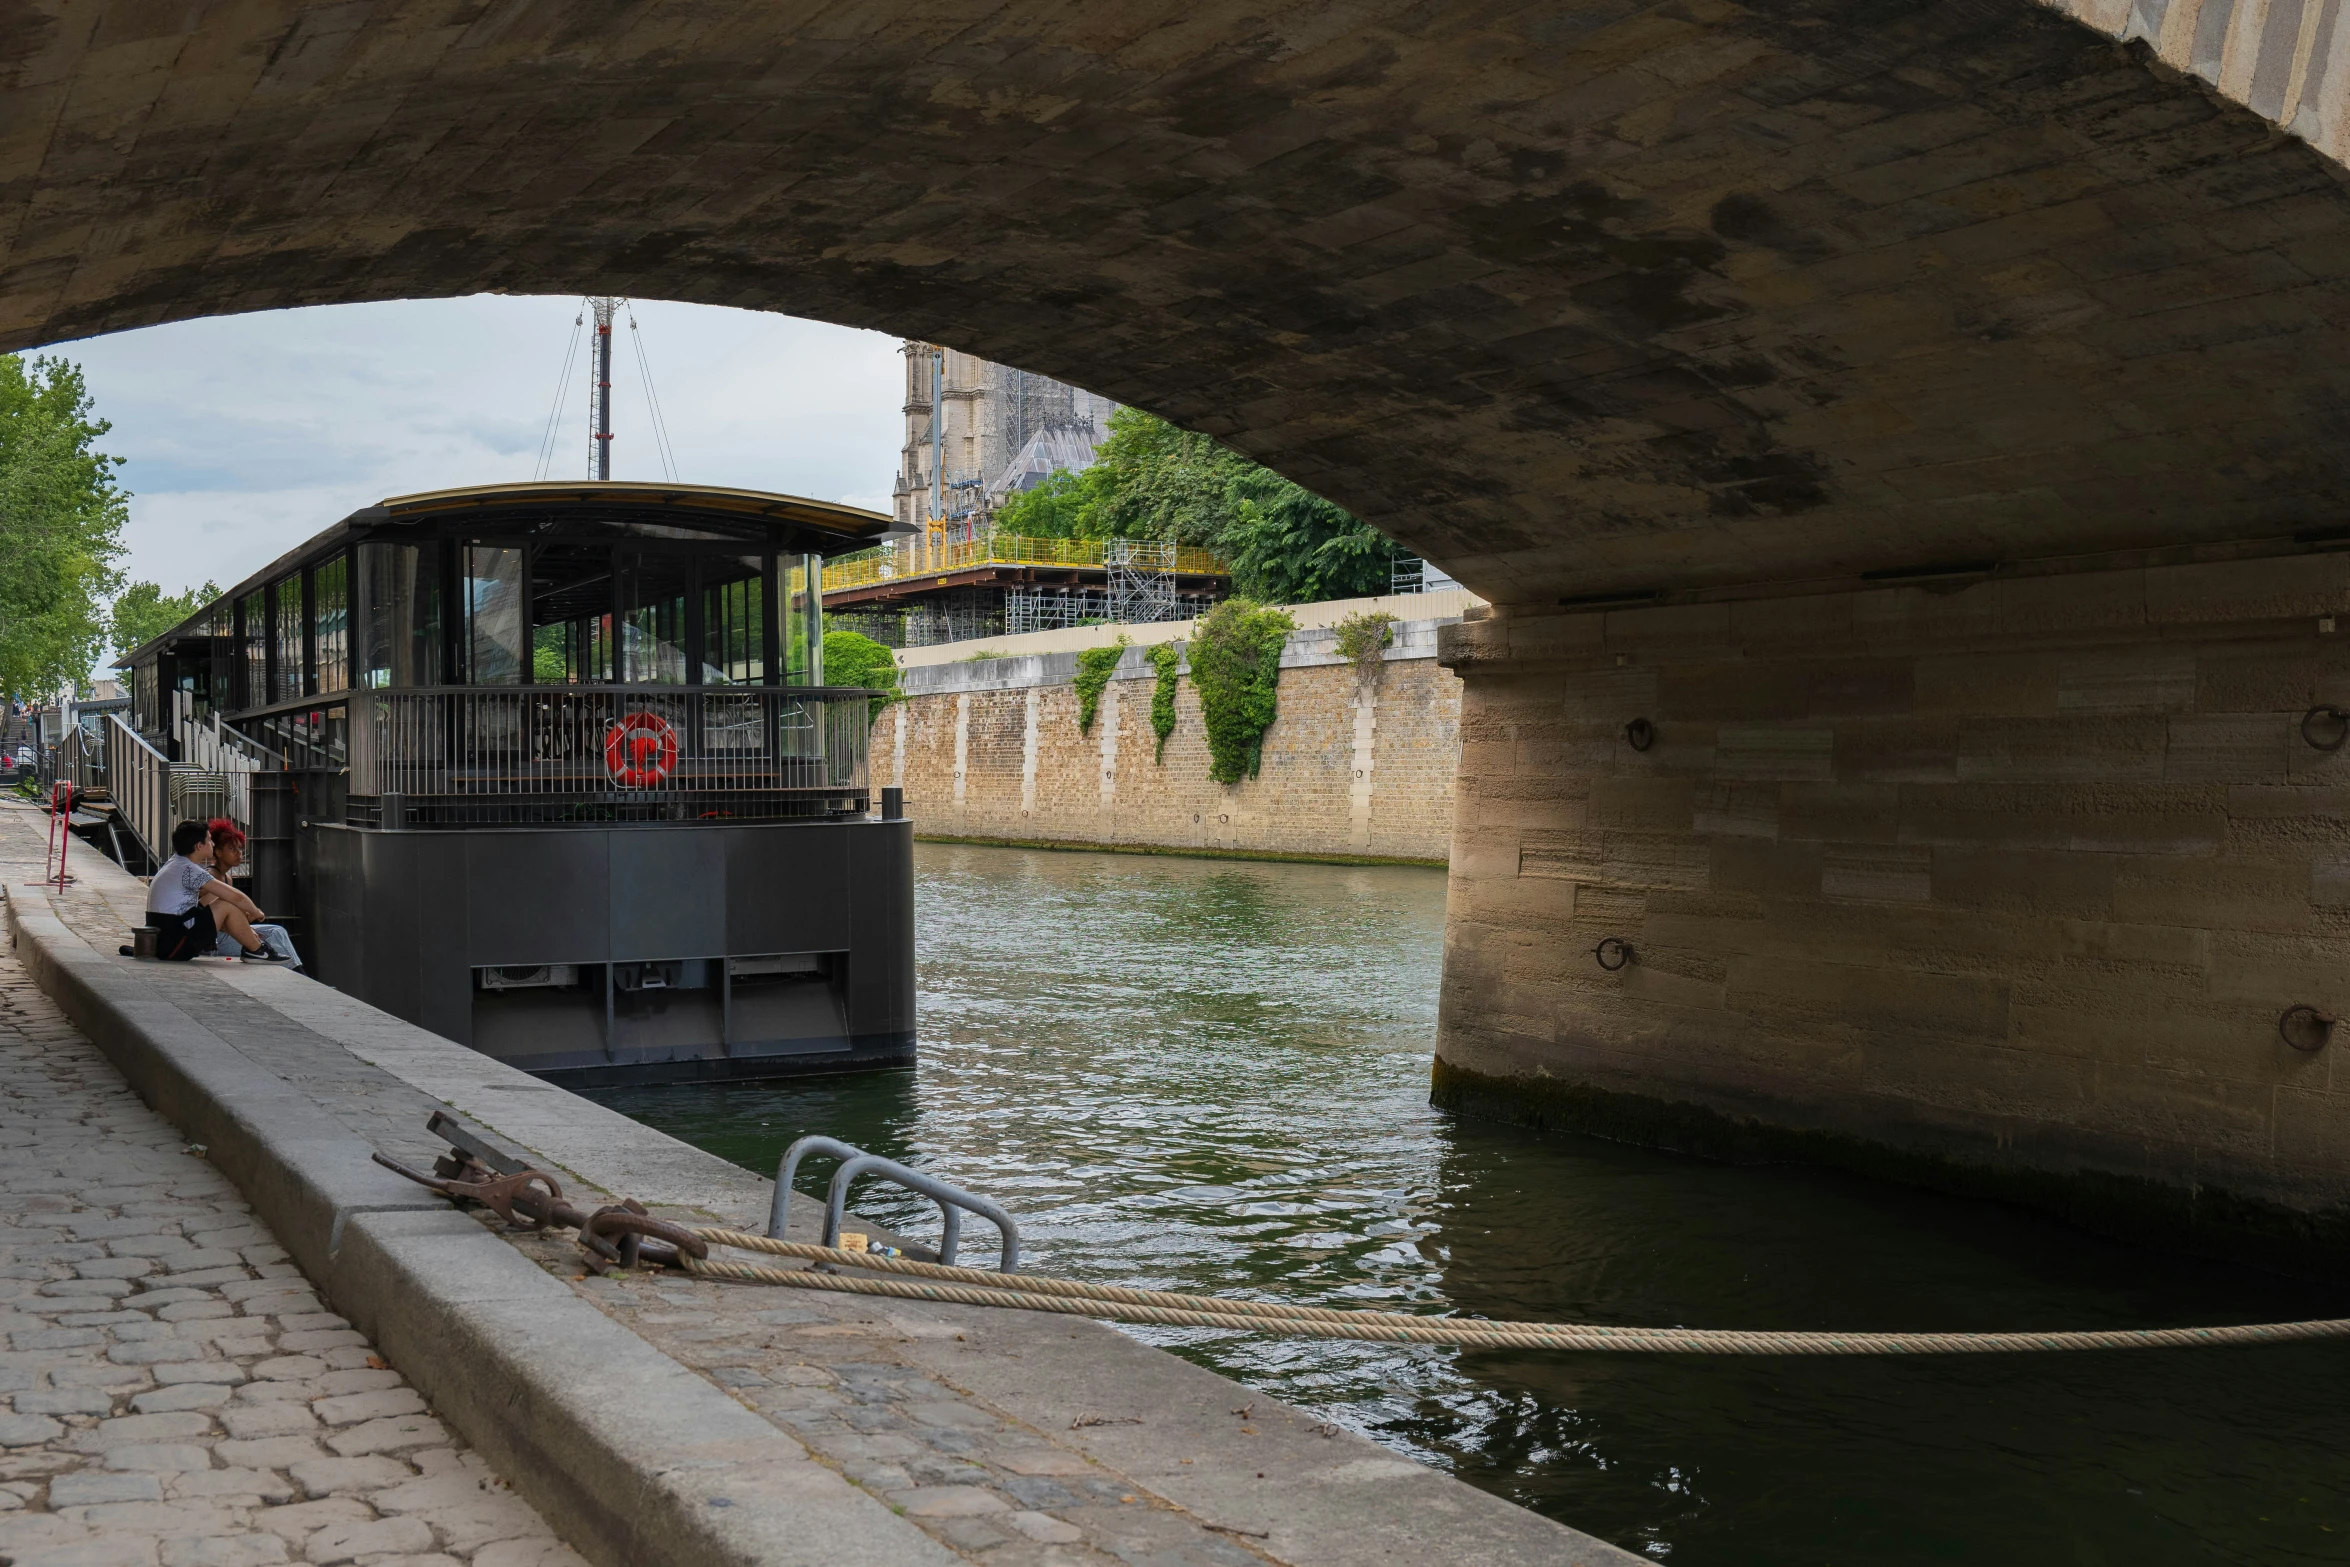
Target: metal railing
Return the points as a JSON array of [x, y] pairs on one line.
[[453, 755], [953, 1202], [930, 554], [139, 778], [216, 762]]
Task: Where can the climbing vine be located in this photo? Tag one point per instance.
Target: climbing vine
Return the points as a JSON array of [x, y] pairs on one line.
[[1166, 658], [1236, 668], [1094, 667]]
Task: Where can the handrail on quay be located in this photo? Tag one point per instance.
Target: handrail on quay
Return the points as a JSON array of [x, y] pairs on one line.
[[952, 1200]]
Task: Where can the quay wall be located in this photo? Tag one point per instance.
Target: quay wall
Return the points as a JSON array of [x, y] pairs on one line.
[[649, 1438], [2004, 885], [1358, 765]]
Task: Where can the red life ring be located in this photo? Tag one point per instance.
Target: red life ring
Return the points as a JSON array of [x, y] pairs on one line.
[[640, 749]]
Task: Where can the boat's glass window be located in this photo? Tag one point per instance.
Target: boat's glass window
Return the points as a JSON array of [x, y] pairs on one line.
[[734, 620], [285, 622], [252, 623], [147, 697], [330, 623], [571, 612], [493, 616], [803, 618], [399, 615], [652, 598]]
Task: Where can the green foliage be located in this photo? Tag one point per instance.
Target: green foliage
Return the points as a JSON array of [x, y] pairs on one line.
[[143, 611], [1053, 510], [1362, 638], [61, 518], [852, 658], [1094, 667], [1236, 668], [1167, 659], [1152, 480]]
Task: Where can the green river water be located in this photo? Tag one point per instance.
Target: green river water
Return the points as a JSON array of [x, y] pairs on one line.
[[1208, 1075]]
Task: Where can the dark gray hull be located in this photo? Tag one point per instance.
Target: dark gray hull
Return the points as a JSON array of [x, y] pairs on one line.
[[599, 955]]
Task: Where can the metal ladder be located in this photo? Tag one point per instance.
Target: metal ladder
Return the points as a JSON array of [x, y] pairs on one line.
[[953, 1202]]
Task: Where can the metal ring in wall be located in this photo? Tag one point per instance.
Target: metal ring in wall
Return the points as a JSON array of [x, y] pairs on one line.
[[2306, 1028]]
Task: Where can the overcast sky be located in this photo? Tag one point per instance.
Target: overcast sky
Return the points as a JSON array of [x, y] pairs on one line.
[[247, 434]]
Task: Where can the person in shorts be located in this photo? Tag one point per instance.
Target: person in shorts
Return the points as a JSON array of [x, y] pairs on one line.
[[228, 852], [186, 926], [175, 902]]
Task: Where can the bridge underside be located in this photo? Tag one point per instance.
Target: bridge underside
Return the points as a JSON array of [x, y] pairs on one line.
[[1737, 312]]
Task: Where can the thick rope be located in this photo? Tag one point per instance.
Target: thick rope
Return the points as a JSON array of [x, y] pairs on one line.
[[1166, 1308]]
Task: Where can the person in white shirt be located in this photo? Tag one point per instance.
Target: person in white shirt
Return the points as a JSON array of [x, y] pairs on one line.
[[185, 924]]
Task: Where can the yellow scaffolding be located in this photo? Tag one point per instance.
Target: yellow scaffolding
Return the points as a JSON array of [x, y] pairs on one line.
[[933, 554]]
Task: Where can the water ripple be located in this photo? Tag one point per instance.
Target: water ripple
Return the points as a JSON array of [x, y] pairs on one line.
[[1209, 1076]]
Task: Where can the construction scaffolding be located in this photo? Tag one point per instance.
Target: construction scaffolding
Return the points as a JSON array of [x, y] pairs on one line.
[[1142, 581], [1053, 609]]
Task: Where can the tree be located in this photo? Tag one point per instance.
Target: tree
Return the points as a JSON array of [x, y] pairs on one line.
[[1286, 544], [143, 612], [852, 658], [61, 519]]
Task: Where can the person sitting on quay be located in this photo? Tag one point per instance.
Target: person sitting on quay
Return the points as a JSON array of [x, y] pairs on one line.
[[228, 852], [186, 924]]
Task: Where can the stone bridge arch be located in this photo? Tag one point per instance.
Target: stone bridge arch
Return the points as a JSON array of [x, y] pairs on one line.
[[1578, 298], [1927, 412]]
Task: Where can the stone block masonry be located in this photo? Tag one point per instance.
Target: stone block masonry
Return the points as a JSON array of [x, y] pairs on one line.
[[2004, 885], [1359, 764], [662, 1422], [176, 1392]]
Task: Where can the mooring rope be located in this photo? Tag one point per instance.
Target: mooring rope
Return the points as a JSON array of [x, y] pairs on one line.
[[1166, 1308]]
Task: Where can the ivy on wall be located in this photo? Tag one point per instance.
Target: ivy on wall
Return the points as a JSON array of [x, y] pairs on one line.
[[1166, 658], [1236, 668], [1094, 667]]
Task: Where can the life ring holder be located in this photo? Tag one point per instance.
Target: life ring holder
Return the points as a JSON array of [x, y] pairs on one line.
[[640, 750]]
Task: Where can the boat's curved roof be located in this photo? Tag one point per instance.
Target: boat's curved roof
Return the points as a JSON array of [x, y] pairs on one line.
[[844, 527], [852, 523]]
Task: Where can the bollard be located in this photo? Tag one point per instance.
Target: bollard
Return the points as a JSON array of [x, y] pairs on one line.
[[60, 817], [893, 804]]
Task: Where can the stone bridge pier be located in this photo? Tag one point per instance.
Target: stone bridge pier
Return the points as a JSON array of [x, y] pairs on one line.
[[1924, 417], [2003, 882]]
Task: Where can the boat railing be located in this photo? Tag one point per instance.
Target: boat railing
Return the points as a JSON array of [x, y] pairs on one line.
[[139, 778], [458, 754]]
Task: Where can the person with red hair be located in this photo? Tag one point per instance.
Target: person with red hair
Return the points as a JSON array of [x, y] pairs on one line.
[[228, 852]]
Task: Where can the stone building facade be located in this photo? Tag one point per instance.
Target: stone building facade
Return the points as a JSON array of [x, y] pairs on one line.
[[1359, 765], [986, 414]]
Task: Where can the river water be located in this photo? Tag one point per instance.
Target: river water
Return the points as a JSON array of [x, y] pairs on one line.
[[1210, 1075]]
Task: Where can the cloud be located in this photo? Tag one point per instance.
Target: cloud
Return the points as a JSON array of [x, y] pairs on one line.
[[247, 434]]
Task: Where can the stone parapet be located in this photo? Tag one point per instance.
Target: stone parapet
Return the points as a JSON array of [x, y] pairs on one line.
[[2008, 879], [1359, 764]]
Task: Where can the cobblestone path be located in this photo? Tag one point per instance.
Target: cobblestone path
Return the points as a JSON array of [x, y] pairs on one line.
[[177, 1396]]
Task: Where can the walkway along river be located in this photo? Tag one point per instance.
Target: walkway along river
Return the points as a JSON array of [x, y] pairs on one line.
[[1199, 1075]]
